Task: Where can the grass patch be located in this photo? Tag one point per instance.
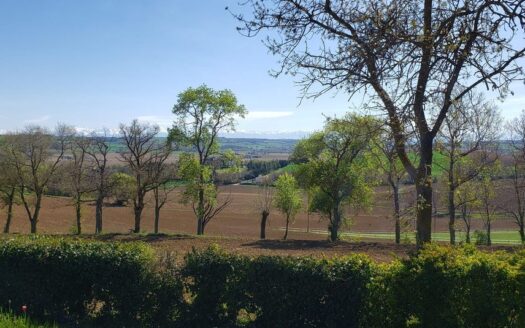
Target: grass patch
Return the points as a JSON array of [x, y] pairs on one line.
[[9, 320]]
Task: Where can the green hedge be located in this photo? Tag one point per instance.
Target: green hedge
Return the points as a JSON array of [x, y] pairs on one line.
[[85, 283], [75, 282]]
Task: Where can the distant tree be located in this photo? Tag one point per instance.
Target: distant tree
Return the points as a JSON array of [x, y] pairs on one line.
[[76, 174], [143, 150], [163, 185], [472, 125], [401, 54], [485, 195], [122, 187], [35, 153], [264, 203], [201, 113], [98, 148], [385, 156], [336, 167], [8, 185], [466, 201], [515, 205], [287, 199]]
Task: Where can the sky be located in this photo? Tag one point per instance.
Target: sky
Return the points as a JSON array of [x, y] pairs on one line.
[[98, 63]]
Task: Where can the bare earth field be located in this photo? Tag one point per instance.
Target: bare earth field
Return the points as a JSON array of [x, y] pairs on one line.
[[236, 228]]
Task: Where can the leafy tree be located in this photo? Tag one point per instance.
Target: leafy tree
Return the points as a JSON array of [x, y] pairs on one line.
[[201, 113], [400, 54], [122, 187], [336, 167], [287, 198], [466, 201]]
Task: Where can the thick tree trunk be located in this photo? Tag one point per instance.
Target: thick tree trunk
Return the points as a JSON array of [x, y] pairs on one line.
[[286, 231], [78, 210], [11, 199], [98, 214], [522, 234], [36, 213], [264, 218], [424, 193]]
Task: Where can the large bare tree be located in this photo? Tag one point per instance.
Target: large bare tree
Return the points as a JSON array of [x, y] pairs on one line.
[[97, 149], [35, 154], [400, 54], [143, 150]]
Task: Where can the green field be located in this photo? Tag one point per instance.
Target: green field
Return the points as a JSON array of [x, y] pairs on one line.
[[498, 237]]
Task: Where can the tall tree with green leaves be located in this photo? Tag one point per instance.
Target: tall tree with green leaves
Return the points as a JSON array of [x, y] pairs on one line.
[[201, 114], [400, 54], [335, 166], [287, 199]]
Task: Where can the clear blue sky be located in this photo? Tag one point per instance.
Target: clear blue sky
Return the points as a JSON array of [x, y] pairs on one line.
[[97, 63]]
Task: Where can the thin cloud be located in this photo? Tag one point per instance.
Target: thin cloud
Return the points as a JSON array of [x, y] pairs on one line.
[[38, 120], [258, 115]]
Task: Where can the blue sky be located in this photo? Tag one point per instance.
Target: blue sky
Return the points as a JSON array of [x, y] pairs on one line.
[[97, 63]]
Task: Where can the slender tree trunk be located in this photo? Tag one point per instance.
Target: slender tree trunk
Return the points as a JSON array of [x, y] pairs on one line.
[[157, 211], [286, 231], [397, 214], [264, 218], [336, 222], [451, 200], [424, 193], [522, 234], [98, 214], [200, 213], [10, 199], [78, 208], [489, 239]]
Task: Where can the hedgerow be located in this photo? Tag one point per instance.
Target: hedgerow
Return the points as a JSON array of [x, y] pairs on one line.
[[124, 285]]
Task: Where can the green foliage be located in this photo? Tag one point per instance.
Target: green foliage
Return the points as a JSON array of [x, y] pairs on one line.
[[287, 197], [9, 320], [81, 283], [335, 165], [207, 111], [198, 178], [64, 280], [122, 187]]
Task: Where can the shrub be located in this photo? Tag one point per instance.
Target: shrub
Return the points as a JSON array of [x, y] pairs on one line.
[[74, 281]]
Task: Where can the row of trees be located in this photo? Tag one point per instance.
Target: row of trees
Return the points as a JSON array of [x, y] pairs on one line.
[[403, 55], [34, 159]]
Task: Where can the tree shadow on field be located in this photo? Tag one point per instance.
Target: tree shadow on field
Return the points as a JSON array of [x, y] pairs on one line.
[[323, 244], [142, 237]]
